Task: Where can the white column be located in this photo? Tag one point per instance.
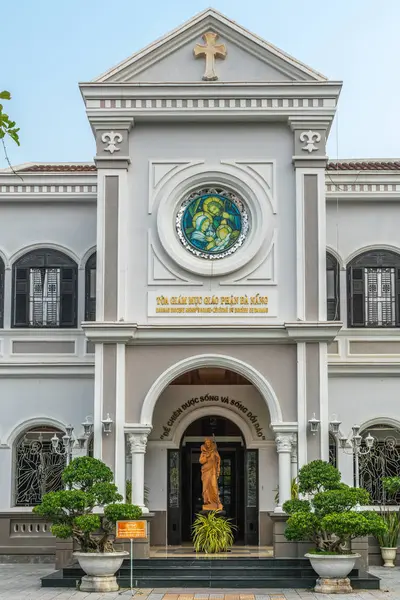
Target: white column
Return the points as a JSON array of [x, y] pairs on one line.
[[293, 458], [284, 449], [138, 442]]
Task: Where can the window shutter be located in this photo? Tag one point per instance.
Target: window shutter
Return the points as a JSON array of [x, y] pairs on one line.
[[68, 293], [1, 295], [21, 297], [357, 295], [90, 294]]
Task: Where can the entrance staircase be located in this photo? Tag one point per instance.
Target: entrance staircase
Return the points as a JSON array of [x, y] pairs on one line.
[[243, 573]]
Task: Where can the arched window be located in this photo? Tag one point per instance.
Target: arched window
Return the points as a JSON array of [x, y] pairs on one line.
[[332, 288], [90, 288], [373, 280], [38, 466], [332, 450], [383, 460], [45, 290], [1, 293]]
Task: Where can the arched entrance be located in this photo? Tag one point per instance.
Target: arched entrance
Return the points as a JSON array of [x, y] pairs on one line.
[[238, 481]]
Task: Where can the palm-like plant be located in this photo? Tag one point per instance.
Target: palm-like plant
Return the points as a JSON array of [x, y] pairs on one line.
[[212, 533]]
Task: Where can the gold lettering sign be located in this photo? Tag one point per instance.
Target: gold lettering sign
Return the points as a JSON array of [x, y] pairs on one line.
[[213, 304]]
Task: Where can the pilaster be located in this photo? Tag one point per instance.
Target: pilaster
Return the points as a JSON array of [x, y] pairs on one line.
[[284, 449], [138, 442]]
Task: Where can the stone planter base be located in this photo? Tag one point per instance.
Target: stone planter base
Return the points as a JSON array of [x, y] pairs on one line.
[[100, 569], [99, 584], [333, 586]]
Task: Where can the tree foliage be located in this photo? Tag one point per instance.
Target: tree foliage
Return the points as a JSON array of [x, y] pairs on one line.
[[71, 511], [7, 126], [329, 518]]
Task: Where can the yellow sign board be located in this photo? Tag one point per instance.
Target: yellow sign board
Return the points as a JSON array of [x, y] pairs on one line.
[[131, 530]]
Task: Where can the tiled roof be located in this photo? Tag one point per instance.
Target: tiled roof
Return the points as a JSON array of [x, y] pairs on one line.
[[350, 165], [364, 165], [57, 168]]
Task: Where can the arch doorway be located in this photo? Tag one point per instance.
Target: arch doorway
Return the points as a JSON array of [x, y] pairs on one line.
[[238, 481]]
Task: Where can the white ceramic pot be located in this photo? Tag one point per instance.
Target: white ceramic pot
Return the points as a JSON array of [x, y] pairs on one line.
[[333, 570], [100, 569], [333, 566], [388, 556]]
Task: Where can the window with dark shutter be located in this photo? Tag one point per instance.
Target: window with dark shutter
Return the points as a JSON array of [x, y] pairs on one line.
[[373, 289], [90, 288], [332, 288], [1, 293], [45, 290]]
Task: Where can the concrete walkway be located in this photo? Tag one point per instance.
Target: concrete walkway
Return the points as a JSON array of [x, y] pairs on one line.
[[21, 582]]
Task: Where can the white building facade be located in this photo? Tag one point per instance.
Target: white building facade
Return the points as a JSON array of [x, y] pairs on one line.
[[211, 274]]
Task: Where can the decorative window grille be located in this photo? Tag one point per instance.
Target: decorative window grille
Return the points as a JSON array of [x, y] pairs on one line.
[[38, 468], [44, 297], [332, 288], [1, 293], [45, 290], [382, 461], [90, 288], [373, 280], [332, 450]]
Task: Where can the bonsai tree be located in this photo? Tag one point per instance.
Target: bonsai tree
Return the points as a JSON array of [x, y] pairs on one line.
[[71, 511], [329, 518]]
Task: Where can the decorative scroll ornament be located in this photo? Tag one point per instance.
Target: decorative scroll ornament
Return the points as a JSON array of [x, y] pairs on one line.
[[210, 51], [112, 138], [212, 223], [137, 443], [311, 137], [283, 442]]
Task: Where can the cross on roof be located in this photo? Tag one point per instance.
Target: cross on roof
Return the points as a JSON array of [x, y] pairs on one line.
[[210, 51]]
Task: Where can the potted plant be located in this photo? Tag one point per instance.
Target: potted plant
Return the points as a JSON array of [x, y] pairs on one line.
[[212, 533], [388, 541], [329, 519], [87, 512]]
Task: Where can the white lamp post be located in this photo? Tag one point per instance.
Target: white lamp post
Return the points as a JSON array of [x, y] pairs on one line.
[[352, 446], [67, 443]]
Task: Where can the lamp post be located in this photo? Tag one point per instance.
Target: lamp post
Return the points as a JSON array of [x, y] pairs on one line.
[[65, 448], [352, 446]]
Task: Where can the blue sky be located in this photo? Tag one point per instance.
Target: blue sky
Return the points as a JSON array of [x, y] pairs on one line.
[[49, 46]]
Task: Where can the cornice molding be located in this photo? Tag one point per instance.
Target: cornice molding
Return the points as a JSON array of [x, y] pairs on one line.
[[306, 331], [133, 334]]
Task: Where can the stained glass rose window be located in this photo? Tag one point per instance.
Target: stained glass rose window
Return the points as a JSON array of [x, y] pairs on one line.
[[212, 223]]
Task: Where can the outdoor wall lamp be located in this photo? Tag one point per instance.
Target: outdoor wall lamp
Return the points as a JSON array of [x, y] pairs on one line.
[[314, 424], [87, 426], [107, 424], [334, 425]]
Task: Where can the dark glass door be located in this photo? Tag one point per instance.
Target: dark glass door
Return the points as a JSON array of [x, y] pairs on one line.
[[231, 486]]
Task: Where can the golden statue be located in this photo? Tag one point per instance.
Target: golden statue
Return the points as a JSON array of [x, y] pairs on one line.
[[210, 462]]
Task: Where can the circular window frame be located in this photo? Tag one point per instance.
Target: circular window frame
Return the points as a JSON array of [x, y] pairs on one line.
[[170, 241]]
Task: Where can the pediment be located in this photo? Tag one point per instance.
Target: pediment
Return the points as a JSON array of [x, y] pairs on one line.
[[171, 59]]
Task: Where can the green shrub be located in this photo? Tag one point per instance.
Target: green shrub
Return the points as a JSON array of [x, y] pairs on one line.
[[328, 519], [212, 533], [71, 511]]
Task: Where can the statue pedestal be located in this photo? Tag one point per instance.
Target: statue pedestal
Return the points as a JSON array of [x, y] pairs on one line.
[[220, 513]]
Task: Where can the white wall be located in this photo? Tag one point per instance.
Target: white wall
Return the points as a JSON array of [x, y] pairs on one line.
[[357, 400], [64, 400], [353, 225], [72, 225]]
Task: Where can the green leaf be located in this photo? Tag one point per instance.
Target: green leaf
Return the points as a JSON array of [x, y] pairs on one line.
[[318, 475], [4, 95]]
